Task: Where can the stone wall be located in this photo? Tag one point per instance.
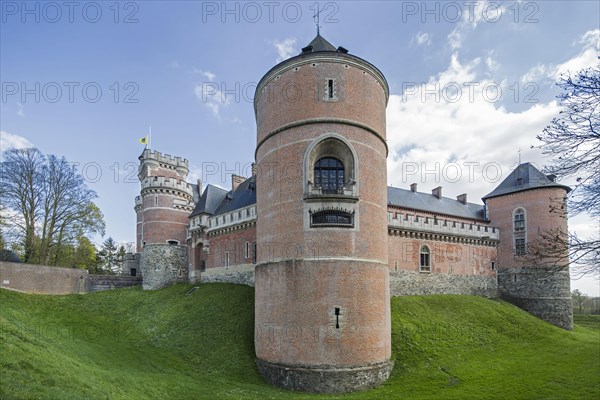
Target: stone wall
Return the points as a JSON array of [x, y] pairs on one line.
[[42, 279], [408, 283], [540, 291], [239, 274], [96, 283], [131, 264], [163, 265]]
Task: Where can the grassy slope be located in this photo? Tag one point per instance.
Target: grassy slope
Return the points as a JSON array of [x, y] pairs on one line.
[[128, 344]]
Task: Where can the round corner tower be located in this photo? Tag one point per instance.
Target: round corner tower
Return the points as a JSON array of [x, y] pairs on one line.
[[526, 206], [322, 281], [165, 201]]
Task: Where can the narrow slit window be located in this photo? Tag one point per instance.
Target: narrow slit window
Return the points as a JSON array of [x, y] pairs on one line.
[[337, 318], [330, 88]]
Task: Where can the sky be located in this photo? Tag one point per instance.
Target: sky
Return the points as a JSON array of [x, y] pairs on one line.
[[472, 83]]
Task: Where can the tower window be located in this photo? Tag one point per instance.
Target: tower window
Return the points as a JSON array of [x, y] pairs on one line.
[[329, 175], [330, 88], [226, 259], [332, 218], [519, 220], [424, 262], [520, 248]]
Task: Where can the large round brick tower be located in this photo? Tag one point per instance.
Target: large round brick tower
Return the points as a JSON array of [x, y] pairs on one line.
[[322, 283], [526, 206]]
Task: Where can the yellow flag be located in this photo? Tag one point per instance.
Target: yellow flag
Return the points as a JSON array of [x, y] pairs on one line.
[[144, 140]]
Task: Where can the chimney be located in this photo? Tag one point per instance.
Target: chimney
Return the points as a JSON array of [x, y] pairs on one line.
[[437, 192], [413, 187], [236, 180], [253, 169], [462, 198], [199, 184]]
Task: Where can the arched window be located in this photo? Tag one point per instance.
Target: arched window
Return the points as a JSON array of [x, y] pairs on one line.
[[519, 220], [329, 175], [425, 261]]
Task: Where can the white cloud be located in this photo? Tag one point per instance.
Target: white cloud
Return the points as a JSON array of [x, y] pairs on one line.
[[472, 15], [587, 57], [460, 137], [422, 39], [491, 62], [210, 94], [285, 49], [195, 174], [209, 75], [9, 141]]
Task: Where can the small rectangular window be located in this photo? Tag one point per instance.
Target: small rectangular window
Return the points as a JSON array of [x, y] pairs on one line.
[[520, 247], [253, 252], [330, 88], [226, 259], [247, 255], [493, 265]]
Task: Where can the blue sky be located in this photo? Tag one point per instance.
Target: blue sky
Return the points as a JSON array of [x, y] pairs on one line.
[[471, 83]]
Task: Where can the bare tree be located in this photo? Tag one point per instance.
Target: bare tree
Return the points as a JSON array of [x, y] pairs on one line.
[[21, 192], [48, 201], [572, 141]]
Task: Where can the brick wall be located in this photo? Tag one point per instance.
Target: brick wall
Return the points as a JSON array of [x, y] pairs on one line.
[[42, 279]]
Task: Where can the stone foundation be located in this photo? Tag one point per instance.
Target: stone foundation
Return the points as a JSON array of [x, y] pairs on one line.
[[241, 275], [539, 291], [325, 380], [163, 265], [409, 283]]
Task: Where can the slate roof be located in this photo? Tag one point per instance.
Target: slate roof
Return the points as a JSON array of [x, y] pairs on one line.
[[524, 177], [243, 196], [319, 43], [217, 201], [429, 203], [209, 201]]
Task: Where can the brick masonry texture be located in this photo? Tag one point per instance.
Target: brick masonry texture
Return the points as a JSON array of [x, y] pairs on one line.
[[163, 265], [42, 279]]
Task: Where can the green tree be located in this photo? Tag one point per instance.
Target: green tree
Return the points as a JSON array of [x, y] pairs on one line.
[[108, 256]]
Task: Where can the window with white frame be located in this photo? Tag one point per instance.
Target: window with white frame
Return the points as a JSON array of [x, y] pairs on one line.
[[520, 247], [519, 220], [425, 259]]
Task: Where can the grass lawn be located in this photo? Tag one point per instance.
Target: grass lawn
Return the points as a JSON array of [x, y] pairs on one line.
[[131, 344]]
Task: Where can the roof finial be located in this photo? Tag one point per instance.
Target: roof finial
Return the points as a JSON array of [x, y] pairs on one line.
[[317, 16]]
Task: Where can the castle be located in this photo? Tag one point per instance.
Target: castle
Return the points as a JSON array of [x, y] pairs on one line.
[[323, 239]]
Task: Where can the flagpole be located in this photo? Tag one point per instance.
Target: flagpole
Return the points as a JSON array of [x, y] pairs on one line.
[[150, 137]]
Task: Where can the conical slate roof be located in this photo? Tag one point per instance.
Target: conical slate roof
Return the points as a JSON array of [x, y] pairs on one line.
[[524, 177], [319, 43]]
